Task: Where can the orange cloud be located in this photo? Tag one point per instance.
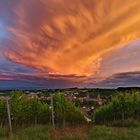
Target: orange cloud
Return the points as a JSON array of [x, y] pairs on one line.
[[69, 37]]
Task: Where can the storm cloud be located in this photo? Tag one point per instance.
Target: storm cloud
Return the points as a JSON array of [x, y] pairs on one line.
[[68, 41]]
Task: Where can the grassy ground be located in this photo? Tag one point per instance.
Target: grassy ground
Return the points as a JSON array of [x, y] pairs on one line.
[[47, 133], [114, 133], [75, 133], [30, 133]]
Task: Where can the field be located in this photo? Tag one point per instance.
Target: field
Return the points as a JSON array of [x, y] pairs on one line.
[[84, 132], [114, 133]]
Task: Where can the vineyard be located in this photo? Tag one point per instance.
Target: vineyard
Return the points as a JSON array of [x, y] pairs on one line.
[[25, 111], [124, 106]]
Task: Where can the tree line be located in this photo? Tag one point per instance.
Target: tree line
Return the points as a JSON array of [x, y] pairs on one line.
[[121, 107]]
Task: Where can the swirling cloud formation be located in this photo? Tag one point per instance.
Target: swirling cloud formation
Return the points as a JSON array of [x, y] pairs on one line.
[[79, 42]]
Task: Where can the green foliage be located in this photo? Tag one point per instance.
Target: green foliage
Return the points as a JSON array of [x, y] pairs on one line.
[[89, 103], [3, 112], [65, 111], [34, 133], [29, 111], [108, 133], [125, 123], [2, 132], [77, 102], [121, 107], [102, 133]]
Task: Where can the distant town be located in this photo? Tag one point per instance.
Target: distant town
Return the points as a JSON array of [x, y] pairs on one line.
[[86, 99]]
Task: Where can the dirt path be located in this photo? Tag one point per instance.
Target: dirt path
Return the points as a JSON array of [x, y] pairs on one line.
[[79, 132]]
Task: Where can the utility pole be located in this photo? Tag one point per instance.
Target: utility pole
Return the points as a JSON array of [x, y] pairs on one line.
[[52, 109], [9, 115]]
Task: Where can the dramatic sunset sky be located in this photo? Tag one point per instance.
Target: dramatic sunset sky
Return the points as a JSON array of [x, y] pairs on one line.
[[66, 43]]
